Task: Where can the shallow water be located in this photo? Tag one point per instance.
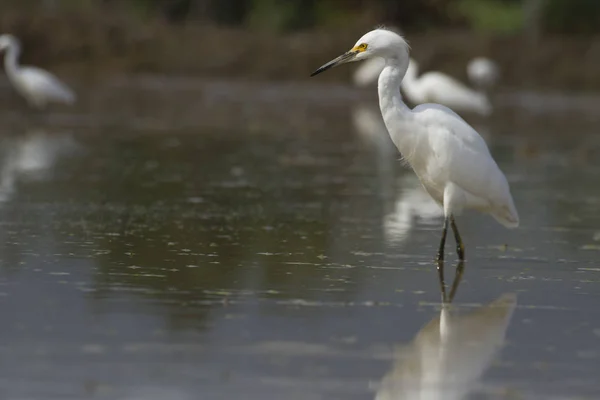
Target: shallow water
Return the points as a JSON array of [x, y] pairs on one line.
[[220, 242]]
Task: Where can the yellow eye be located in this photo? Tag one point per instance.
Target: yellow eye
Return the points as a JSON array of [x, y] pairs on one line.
[[361, 47]]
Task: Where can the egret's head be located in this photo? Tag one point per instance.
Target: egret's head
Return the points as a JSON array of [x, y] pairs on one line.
[[377, 43], [7, 41]]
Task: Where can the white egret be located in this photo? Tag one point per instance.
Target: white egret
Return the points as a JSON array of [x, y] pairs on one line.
[[483, 72], [448, 156], [37, 86]]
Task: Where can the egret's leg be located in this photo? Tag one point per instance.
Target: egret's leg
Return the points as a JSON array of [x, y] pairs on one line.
[[457, 279], [440, 254], [460, 248]]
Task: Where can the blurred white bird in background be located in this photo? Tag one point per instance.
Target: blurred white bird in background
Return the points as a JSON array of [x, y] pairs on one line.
[[437, 87], [37, 86], [449, 157], [483, 73], [368, 72], [450, 354]]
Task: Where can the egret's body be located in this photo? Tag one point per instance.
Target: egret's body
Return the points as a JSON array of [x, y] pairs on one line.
[[449, 157], [37, 86], [483, 72]]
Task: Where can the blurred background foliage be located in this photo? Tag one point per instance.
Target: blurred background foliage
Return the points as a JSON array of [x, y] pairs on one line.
[[494, 16], [537, 43]]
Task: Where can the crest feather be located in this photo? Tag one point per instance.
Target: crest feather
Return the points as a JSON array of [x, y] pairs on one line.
[[395, 30]]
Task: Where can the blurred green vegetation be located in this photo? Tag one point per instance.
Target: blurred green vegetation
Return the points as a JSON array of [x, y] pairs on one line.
[[493, 16], [574, 16]]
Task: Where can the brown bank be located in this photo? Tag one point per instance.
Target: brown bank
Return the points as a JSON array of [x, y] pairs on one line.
[[95, 45]]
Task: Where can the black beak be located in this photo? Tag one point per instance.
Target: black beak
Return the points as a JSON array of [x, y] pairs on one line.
[[347, 56]]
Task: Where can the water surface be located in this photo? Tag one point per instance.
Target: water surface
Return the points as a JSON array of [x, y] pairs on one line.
[[173, 242]]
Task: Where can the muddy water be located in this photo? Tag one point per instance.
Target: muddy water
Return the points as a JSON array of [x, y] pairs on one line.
[[217, 242]]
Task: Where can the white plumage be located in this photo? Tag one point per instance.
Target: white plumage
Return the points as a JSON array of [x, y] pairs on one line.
[[449, 157], [453, 162], [37, 86]]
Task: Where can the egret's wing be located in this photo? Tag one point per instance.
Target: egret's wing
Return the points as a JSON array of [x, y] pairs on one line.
[[448, 91], [444, 119], [463, 155], [41, 81]]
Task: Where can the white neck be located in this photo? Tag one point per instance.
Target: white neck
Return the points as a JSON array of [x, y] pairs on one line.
[[411, 84], [412, 72], [10, 59], [397, 116]]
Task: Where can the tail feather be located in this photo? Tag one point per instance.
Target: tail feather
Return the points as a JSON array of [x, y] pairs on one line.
[[507, 215]]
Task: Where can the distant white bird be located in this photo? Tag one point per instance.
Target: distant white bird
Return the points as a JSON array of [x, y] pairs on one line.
[[483, 73], [450, 158], [437, 87], [449, 355], [368, 72], [37, 86]]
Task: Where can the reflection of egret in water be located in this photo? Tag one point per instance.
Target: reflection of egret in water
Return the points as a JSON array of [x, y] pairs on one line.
[[32, 157], [413, 205], [370, 127], [450, 354]]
